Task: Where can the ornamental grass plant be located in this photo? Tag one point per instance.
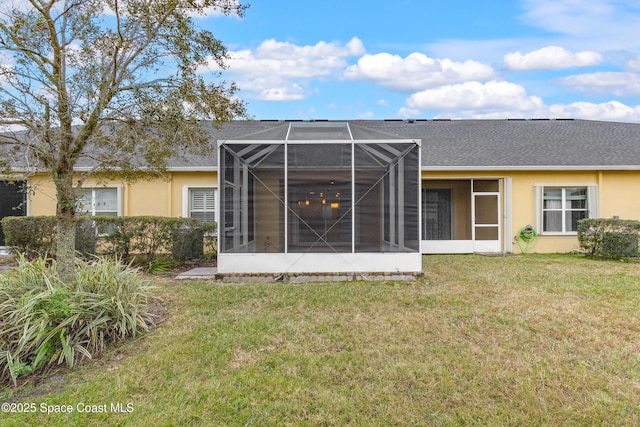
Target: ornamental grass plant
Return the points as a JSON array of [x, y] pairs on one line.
[[45, 322]]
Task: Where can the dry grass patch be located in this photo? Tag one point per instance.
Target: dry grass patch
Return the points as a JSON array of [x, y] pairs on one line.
[[521, 340]]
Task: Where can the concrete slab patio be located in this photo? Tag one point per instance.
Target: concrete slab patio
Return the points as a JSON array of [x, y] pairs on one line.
[[199, 273]]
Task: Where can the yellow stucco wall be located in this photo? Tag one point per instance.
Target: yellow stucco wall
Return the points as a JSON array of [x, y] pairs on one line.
[[617, 196], [42, 200], [151, 196], [617, 190], [523, 205]]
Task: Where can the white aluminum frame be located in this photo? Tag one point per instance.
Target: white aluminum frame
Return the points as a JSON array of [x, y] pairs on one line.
[[593, 205], [119, 199]]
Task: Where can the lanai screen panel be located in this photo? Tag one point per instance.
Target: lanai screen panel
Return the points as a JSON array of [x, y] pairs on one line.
[[319, 195], [252, 196], [386, 197]]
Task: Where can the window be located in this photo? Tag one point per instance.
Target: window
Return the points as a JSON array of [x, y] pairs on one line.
[[560, 208], [99, 201], [436, 214], [202, 204]]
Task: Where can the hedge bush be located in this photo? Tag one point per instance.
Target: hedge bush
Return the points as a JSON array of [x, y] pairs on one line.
[[32, 236], [45, 322], [145, 237], [609, 238]]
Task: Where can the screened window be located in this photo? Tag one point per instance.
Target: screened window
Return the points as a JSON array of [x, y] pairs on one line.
[[562, 208], [202, 204], [437, 221], [99, 201]]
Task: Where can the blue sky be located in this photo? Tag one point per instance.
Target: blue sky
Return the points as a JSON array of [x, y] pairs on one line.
[[433, 59]]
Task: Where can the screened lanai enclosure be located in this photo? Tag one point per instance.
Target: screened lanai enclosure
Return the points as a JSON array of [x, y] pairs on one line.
[[309, 197]]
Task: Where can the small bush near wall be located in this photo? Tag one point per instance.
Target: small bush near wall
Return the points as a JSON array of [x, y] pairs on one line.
[[149, 236], [609, 238], [121, 237]]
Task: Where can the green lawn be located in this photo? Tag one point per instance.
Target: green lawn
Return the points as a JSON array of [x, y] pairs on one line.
[[520, 340]]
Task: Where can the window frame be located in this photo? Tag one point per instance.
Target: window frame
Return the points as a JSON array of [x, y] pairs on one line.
[[186, 200], [591, 209], [92, 210]]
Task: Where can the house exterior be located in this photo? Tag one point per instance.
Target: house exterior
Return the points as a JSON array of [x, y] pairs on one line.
[[399, 188]]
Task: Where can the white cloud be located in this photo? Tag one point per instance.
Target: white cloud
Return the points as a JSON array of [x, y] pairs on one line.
[[566, 16], [278, 71], [273, 49], [634, 64], [612, 110], [499, 100], [290, 93], [416, 71], [603, 24], [275, 89], [605, 83], [286, 60], [551, 57], [470, 96]]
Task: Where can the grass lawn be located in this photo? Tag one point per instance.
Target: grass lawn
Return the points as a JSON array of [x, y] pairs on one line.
[[519, 340]]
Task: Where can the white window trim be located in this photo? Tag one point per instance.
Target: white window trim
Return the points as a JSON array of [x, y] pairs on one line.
[[593, 205], [118, 189], [185, 199]]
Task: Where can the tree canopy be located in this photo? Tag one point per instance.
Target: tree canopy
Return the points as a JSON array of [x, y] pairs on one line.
[[114, 84]]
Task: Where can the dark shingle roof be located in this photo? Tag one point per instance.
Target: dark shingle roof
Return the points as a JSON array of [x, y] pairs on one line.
[[522, 143], [469, 144], [499, 144]]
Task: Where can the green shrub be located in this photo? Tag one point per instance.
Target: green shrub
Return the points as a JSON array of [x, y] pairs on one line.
[[149, 236], [31, 236], [145, 237], [35, 236], [609, 238], [45, 322]]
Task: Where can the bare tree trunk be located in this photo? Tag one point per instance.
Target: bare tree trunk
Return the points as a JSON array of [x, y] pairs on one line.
[[66, 227]]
